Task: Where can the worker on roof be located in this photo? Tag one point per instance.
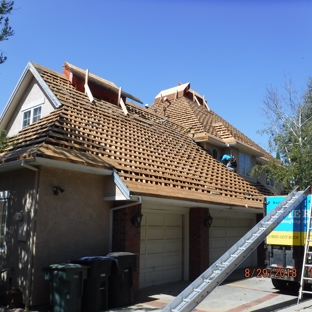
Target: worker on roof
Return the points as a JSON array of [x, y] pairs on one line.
[[229, 162], [225, 158]]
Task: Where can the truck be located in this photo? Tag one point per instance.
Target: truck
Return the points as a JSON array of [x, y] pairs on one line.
[[285, 246]]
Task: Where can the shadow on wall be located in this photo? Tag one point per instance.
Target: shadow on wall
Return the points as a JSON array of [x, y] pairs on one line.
[[18, 241]]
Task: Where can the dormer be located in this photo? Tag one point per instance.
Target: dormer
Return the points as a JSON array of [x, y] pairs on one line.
[[182, 90], [95, 86]]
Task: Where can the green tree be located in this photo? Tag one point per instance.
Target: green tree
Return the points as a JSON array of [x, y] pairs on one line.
[[3, 140], [6, 31], [289, 128]]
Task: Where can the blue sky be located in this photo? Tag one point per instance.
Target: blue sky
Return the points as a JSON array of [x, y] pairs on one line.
[[229, 51]]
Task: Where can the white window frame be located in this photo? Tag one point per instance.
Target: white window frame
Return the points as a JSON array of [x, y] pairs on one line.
[[243, 169], [4, 195], [31, 110]]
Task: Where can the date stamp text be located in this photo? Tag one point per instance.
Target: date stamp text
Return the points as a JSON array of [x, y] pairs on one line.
[[270, 273]]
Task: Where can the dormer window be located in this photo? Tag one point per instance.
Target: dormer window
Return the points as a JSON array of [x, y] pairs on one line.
[[31, 115], [244, 165]]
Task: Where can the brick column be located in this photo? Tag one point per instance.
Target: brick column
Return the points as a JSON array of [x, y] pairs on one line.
[[126, 237], [199, 242]]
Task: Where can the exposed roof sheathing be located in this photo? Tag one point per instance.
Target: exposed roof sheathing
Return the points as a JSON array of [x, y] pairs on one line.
[[153, 155]]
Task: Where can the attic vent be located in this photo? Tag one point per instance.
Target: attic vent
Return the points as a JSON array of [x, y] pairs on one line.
[[215, 154]]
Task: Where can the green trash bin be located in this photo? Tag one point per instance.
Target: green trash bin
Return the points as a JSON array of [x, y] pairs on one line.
[[66, 286]]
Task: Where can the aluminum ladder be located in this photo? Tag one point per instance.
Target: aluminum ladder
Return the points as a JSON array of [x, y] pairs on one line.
[[307, 253], [191, 296]]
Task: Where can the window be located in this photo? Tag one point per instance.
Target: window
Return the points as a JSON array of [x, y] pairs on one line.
[[26, 119], [244, 165], [31, 116], [3, 217]]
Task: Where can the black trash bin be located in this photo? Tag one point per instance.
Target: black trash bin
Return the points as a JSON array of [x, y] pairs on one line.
[[95, 289], [66, 281], [120, 290]]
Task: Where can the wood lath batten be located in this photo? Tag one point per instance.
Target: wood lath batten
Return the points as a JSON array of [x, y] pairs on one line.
[[152, 154]]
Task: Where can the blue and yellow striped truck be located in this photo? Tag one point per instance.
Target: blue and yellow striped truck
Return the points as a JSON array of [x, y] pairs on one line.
[[285, 245]]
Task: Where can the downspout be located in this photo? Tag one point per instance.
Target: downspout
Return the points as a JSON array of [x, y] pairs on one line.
[[139, 201], [32, 230]]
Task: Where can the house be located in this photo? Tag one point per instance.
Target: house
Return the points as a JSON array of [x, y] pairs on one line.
[[83, 161]]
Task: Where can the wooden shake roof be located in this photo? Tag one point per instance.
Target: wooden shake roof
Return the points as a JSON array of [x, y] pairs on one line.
[[190, 110], [153, 155]]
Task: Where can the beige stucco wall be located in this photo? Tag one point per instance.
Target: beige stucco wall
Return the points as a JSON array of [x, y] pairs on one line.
[[73, 224], [33, 96]]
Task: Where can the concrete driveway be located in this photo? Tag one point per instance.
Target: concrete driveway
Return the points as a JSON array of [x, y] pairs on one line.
[[236, 294]]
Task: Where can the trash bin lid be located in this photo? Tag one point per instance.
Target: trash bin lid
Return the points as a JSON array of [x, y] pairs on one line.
[[66, 271], [120, 254], [93, 258], [66, 267]]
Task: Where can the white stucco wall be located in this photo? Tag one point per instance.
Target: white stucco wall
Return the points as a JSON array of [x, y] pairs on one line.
[[33, 97]]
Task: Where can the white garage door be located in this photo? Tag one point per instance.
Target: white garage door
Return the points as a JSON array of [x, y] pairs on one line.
[[161, 249], [225, 232]]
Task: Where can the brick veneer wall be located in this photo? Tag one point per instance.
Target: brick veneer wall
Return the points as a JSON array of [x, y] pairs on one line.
[[126, 237], [199, 242]]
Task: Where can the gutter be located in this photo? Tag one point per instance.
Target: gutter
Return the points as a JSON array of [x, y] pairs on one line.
[[18, 163], [138, 201]]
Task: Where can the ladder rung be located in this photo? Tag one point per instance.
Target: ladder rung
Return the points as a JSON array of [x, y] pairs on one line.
[[307, 292], [307, 278]]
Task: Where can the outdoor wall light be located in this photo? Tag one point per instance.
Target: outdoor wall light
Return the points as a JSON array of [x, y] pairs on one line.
[[208, 221], [137, 219], [56, 190]]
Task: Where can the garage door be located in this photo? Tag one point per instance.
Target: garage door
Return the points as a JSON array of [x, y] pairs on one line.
[[225, 232], [161, 249]]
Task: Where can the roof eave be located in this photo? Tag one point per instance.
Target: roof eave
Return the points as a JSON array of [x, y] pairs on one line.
[[245, 148]]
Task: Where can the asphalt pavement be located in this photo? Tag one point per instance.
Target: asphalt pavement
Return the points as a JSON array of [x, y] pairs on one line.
[[236, 294]]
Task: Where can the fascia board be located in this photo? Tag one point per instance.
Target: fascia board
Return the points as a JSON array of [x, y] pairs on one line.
[[40, 161], [122, 187], [44, 86], [163, 202], [71, 166]]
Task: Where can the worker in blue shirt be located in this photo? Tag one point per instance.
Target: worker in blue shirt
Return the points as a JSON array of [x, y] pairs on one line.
[[229, 161], [226, 158]]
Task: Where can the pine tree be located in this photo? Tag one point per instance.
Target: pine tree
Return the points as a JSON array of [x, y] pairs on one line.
[[6, 31]]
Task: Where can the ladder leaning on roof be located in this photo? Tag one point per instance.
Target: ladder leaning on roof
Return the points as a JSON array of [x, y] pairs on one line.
[[306, 265], [191, 296]]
